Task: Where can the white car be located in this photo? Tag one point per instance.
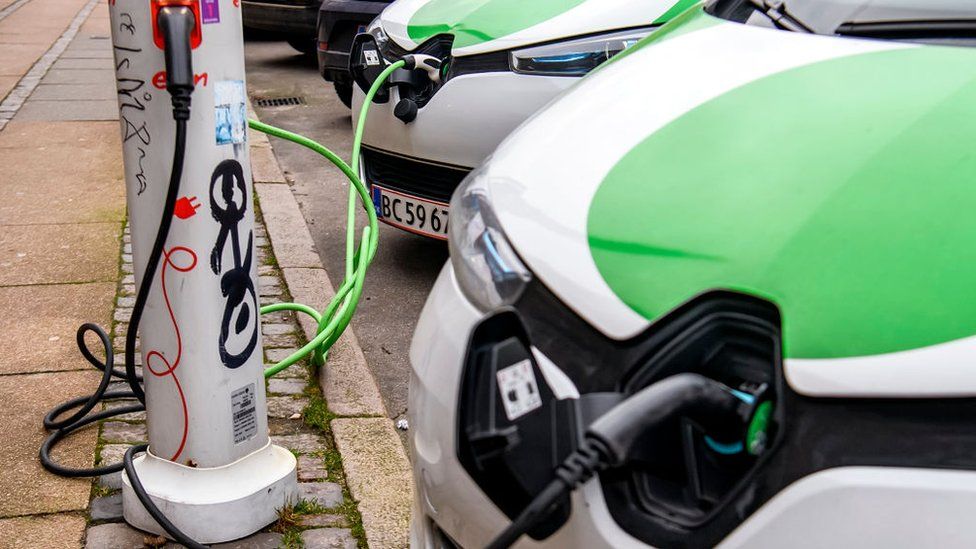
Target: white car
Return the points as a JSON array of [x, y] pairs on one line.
[[735, 266], [500, 61]]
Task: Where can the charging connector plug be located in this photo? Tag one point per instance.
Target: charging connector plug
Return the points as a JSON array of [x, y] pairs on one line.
[[427, 63], [176, 24]]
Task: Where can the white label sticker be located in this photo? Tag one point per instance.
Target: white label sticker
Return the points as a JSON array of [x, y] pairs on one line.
[[519, 390], [372, 58], [243, 410]]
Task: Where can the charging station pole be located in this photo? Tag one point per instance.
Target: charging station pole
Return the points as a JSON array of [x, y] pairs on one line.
[[210, 467]]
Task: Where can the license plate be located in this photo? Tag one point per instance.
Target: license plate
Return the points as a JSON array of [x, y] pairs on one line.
[[410, 213]]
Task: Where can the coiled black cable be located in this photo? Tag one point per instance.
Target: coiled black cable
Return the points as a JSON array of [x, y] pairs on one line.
[[85, 404]]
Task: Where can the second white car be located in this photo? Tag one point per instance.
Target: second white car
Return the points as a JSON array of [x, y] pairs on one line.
[[499, 62]]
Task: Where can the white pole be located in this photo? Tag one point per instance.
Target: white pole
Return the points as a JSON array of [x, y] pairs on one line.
[[210, 468]]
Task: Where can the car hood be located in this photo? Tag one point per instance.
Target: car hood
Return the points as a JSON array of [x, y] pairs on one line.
[[833, 177], [480, 26]]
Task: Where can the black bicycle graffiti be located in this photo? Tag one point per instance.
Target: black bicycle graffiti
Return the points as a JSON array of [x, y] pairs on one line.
[[236, 285]]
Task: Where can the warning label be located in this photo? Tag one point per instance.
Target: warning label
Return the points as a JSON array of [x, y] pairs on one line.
[[519, 390], [243, 410]]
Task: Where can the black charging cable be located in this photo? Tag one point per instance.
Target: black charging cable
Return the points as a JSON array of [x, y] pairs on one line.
[[176, 24], [609, 440]]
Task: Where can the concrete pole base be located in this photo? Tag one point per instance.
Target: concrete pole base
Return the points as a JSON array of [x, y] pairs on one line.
[[214, 505]]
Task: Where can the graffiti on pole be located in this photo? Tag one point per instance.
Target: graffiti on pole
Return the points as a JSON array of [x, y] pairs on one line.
[[239, 324]]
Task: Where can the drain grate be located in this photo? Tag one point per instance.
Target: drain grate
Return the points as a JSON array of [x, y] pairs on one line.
[[279, 101]]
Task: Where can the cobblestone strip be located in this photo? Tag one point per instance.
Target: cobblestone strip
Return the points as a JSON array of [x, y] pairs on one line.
[[325, 517]]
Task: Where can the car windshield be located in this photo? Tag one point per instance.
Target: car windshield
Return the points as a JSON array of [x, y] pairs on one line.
[[947, 22]]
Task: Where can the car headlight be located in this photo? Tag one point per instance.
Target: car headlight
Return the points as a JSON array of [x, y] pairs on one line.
[[486, 266], [574, 57]]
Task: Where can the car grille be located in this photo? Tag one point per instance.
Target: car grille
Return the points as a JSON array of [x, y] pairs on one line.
[[414, 177]]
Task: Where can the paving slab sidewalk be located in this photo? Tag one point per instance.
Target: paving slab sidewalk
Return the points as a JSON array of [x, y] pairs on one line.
[[61, 212], [27, 32]]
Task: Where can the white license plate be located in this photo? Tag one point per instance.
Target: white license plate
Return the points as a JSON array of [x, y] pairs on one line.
[[410, 213]]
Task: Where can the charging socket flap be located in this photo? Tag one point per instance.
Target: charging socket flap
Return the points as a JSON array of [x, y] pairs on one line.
[[512, 430], [366, 62]]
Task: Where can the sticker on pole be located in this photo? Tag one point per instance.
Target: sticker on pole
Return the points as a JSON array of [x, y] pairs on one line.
[[211, 11], [230, 118], [519, 390], [244, 413]]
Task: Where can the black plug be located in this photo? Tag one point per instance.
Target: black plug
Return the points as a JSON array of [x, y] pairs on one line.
[[176, 24], [703, 400]]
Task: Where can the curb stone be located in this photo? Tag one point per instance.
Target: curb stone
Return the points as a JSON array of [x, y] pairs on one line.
[[379, 477]]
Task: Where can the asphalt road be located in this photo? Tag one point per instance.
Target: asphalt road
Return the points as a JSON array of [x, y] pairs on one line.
[[405, 265]]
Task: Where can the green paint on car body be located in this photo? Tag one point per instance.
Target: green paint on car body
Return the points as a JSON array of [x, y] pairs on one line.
[[677, 8], [843, 191], [476, 21]]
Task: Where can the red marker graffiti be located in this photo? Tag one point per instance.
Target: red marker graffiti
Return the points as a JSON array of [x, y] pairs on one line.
[[159, 80], [186, 207], [169, 369]]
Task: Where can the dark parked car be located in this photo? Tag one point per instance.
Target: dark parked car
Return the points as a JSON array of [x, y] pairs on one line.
[[293, 19], [339, 22]]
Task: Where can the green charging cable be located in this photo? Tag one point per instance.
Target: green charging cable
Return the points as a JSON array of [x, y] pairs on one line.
[[334, 320]]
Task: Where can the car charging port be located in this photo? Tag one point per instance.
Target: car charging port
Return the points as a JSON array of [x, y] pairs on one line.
[[415, 83], [682, 483], [667, 464]]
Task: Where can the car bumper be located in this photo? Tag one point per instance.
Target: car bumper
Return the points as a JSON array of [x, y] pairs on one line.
[[297, 21], [333, 65]]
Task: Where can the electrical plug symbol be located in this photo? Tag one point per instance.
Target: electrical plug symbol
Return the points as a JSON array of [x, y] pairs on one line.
[[186, 207]]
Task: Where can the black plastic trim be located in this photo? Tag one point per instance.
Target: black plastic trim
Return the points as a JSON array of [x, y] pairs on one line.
[[412, 176], [511, 460]]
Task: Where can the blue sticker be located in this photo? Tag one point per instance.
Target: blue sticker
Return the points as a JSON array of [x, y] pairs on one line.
[[230, 114]]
